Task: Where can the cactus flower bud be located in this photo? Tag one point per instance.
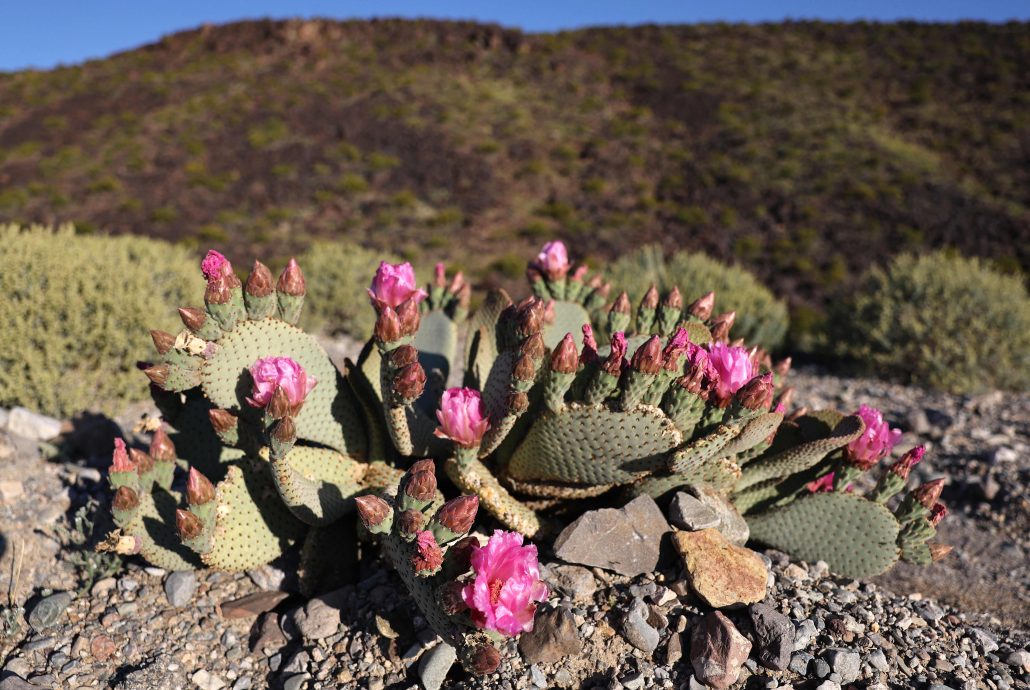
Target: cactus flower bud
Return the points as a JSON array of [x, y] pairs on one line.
[[589, 354], [188, 524], [702, 307], [782, 368], [449, 597], [223, 421], [420, 486], [219, 290], [648, 357], [461, 417], [410, 382], [199, 489], [161, 447], [674, 349], [158, 374], [613, 365], [457, 283], [120, 461], [485, 659], [553, 260], [651, 298], [673, 300], [394, 284], [259, 282], [425, 465], [410, 521], [823, 484], [517, 403], [285, 431], [143, 462], [409, 317], [271, 374], [291, 280], [192, 318], [927, 494], [403, 355], [507, 584], [372, 510], [909, 460], [525, 369], [565, 358], [732, 368], [721, 326], [125, 499], [388, 325], [440, 275], [458, 514], [757, 393], [939, 552], [529, 318], [621, 305], [215, 266], [876, 441], [163, 341], [428, 556], [534, 347], [938, 513]]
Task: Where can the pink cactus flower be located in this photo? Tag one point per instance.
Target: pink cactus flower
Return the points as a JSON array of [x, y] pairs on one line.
[[215, 265], [875, 443], [553, 260], [507, 585], [732, 367], [461, 417], [394, 284], [428, 556], [270, 373], [824, 484]]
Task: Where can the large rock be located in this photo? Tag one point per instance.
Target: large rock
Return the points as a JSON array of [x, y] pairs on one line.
[[624, 540], [554, 637], [731, 523], [774, 636], [721, 573], [33, 425], [717, 651], [689, 513]]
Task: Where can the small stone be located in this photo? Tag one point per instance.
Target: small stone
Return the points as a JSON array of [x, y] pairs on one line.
[[774, 636], [674, 649], [637, 631], [731, 523], [1020, 659], [296, 681], [28, 424], [180, 587], [631, 534], [269, 578], [795, 572], [985, 640], [804, 632], [207, 681], [828, 685], [575, 581], [266, 633], [633, 681], [844, 662], [13, 682], [10, 490], [799, 663], [252, 604], [317, 619], [101, 587], [820, 669], [689, 513], [48, 610], [554, 637], [434, 665], [721, 573], [878, 660], [717, 651], [537, 676]]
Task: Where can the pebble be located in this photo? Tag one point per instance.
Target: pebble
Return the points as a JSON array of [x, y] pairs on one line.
[[537, 677], [632, 536], [689, 513], [319, 618], [1020, 659], [731, 524], [878, 660], [296, 681], [207, 681], [434, 665], [180, 587], [48, 610], [637, 630], [774, 636], [844, 662], [717, 651], [576, 581], [553, 638], [32, 425]]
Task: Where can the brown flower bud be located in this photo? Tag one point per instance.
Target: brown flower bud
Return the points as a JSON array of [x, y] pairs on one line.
[[161, 447], [517, 403], [529, 317], [279, 404], [449, 597], [199, 489], [158, 373], [219, 289], [192, 318], [188, 525], [565, 358], [927, 494], [420, 486], [409, 316], [702, 307], [648, 357], [259, 282], [757, 393], [222, 420], [388, 325], [410, 521], [285, 430], [938, 513], [533, 346], [372, 510], [907, 461], [939, 552], [143, 462], [621, 304], [722, 324], [673, 300], [291, 280], [525, 369], [485, 659], [458, 514], [410, 382], [125, 499], [162, 341], [425, 465], [402, 356], [428, 556]]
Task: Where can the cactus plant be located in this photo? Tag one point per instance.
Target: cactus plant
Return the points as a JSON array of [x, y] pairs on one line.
[[279, 442]]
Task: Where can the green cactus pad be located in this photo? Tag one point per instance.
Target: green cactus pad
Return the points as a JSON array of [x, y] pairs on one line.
[[329, 416], [689, 459], [437, 344], [569, 317], [481, 343], [753, 433], [252, 526], [316, 483], [154, 526], [591, 444], [855, 536], [197, 443], [698, 332]]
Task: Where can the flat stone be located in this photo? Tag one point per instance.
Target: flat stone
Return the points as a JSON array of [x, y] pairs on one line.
[[575, 581], [434, 665], [774, 636], [844, 662], [252, 604], [731, 523], [878, 660], [32, 425], [296, 681], [631, 536], [266, 633], [13, 682], [985, 640], [319, 618], [554, 637], [721, 573], [637, 630], [180, 587], [1020, 659], [689, 513], [48, 610], [207, 681], [717, 651]]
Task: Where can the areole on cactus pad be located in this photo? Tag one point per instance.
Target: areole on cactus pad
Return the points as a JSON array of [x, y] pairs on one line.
[[569, 394]]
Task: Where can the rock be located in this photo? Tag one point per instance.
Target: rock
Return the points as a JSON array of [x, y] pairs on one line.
[[799, 663], [11, 489], [1020, 659], [689, 513], [252, 604], [731, 524], [32, 425], [631, 536], [721, 573], [270, 578], [180, 587], [207, 681], [319, 618], [985, 640], [878, 660], [844, 662], [774, 636], [537, 677], [828, 685], [434, 665], [804, 632], [48, 610], [102, 587], [636, 629], [266, 633], [1004, 454], [554, 637], [674, 649], [13, 682], [295, 682], [717, 651], [102, 647], [573, 580]]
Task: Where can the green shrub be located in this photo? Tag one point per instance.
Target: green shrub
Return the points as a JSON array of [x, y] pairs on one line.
[[76, 311], [761, 318], [338, 274], [939, 320]]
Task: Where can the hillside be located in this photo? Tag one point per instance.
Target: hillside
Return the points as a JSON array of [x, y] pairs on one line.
[[804, 150]]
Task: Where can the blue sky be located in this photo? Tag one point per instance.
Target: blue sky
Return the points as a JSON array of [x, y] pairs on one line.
[[45, 33]]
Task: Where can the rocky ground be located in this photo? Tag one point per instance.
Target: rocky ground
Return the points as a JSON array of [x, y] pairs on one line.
[[73, 619]]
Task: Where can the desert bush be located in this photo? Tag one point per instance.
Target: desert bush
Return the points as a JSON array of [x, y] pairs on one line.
[[76, 311], [339, 273], [939, 320], [761, 317]]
